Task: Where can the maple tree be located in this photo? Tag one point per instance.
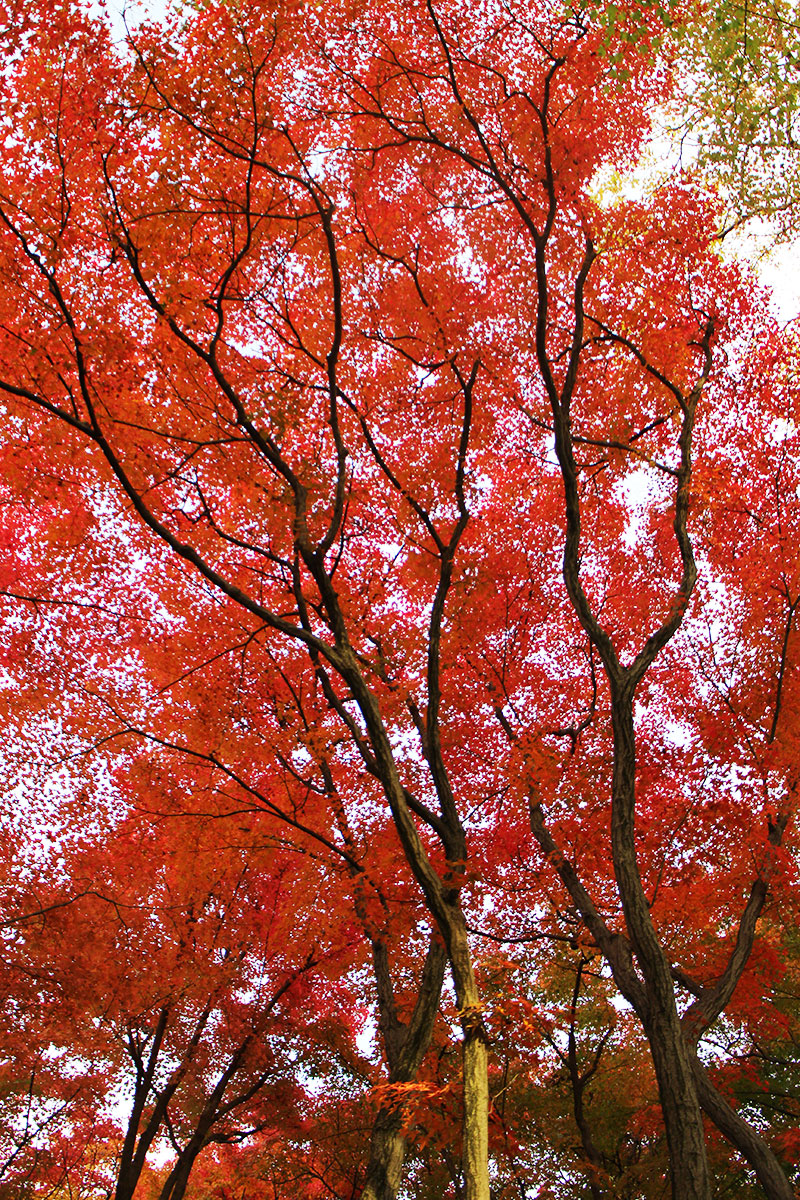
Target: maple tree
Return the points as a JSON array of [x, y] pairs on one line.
[[367, 474], [168, 981]]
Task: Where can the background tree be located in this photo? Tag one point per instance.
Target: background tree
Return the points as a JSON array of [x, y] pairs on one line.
[[740, 89], [169, 987]]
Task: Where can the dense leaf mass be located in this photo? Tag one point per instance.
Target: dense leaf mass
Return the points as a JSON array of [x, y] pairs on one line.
[[399, 651]]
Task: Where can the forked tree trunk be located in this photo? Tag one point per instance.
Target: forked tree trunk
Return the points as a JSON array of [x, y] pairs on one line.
[[406, 1046], [388, 1146], [444, 906]]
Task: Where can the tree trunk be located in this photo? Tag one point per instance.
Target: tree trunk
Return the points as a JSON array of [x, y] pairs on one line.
[[475, 1151], [444, 906], [659, 1015], [387, 1148], [680, 1106], [476, 1113], [406, 1047], [387, 1153], [753, 1149]]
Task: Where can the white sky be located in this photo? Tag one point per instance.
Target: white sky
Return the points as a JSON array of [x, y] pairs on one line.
[[780, 271]]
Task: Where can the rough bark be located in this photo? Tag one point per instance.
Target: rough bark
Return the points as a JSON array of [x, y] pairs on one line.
[[710, 1002], [680, 1106], [387, 1152], [657, 1008]]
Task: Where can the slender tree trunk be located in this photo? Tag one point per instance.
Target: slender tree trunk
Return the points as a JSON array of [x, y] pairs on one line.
[[476, 1114], [475, 1152], [578, 1082], [387, 1149], [676, 1085], [444, 906], [753, 1149], [406, 1047]]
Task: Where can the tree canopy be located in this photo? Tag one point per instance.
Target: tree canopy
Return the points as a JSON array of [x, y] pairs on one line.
[[738, 109], [400, 663]]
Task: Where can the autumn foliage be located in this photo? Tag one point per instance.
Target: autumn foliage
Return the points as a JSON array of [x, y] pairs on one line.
[[399, 524]]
